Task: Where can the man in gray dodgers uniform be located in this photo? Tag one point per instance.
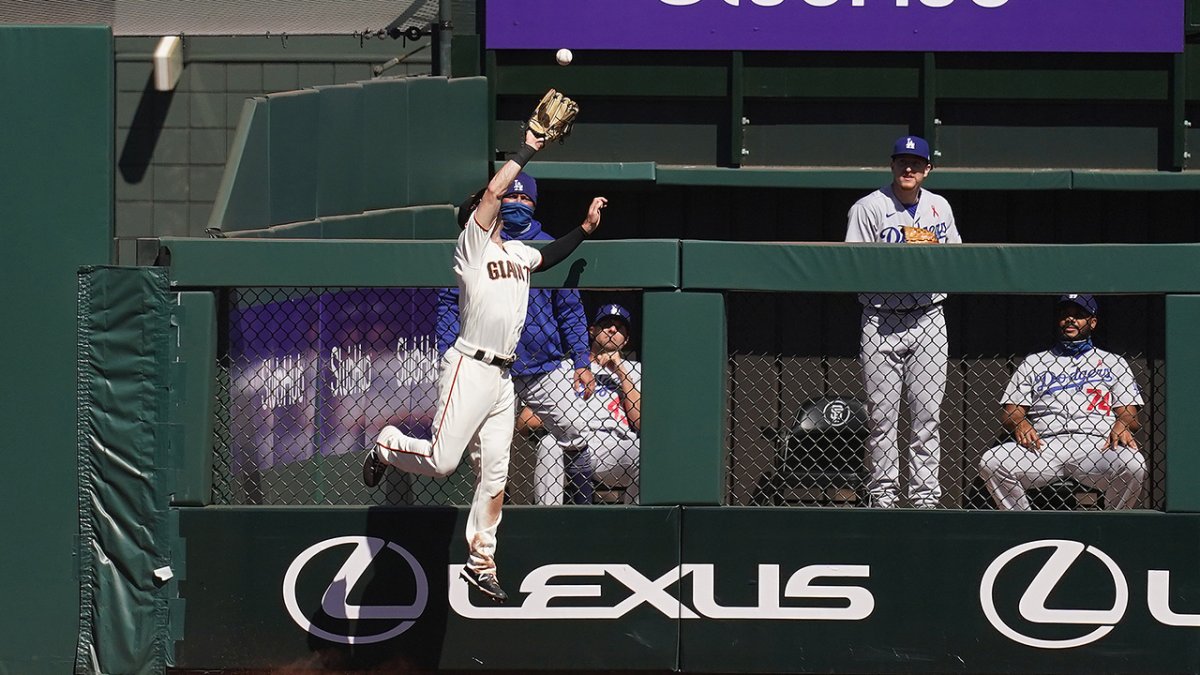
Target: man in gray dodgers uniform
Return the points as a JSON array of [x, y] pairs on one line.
[[903, 345], [1072, 411], [612, 417], [476, 405]]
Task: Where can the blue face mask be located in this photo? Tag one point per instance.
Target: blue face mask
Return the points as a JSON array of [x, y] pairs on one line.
[[1074, 347], [516, 217]]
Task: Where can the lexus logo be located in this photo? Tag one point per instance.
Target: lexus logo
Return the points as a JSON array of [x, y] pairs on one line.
[[335, 601], [1032, 606]]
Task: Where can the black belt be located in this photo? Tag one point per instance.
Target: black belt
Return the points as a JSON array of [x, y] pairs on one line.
[[481, 355]]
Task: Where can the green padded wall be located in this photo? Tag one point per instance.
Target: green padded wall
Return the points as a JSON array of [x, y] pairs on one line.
[[1183, 362], [350, 150], [683, 404], [385, 132], [340, 150], [292, 155], [56, 185]]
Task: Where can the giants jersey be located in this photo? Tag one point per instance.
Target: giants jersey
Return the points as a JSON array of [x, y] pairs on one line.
[[880, 218], [603, 411], [493, 284], [1066, 394]]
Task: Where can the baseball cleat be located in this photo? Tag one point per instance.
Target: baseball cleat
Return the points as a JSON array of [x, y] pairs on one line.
[[373, 468], [486, 583]]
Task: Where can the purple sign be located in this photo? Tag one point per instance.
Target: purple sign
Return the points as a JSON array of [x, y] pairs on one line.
[[839, 25], [323, 373]]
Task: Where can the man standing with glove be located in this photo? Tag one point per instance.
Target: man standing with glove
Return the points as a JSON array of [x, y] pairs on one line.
[[903, 349], [555, 329]]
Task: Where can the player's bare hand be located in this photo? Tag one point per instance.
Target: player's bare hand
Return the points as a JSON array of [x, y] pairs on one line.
[[610, 360], [532, 140], [584, 382], [1120, 435], [1027, 437], [592, 221]]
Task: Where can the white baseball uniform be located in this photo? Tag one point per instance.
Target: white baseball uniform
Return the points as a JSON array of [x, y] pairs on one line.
[[476, 405], [612, 444], [903, 348], [1070, 402]]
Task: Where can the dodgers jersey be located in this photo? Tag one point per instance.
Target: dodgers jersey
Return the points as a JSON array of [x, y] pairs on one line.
[[880, 218], [1072, 394], [603, 411], [493, 284]]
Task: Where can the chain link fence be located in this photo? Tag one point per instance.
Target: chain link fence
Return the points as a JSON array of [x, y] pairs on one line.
[[309, 376], [800, 414]]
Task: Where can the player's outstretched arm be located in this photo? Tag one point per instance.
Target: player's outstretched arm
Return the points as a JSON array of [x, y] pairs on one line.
[[558, 250], [1014, 420], [1124, 426], [489, 204]]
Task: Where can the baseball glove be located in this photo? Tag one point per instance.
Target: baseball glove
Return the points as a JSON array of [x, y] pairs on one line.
[[919, 235], [553, 117]]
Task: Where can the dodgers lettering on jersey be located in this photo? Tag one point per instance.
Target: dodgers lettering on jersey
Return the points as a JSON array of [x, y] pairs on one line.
[[493, 282], [1072, 394], [880, 218]]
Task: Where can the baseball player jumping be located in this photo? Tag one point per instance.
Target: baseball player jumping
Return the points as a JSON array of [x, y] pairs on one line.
[[555, 328], [1072, 410], [903, 346], [476, 404]]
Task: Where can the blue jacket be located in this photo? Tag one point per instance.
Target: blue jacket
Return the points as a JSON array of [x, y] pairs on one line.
[[555, 326]]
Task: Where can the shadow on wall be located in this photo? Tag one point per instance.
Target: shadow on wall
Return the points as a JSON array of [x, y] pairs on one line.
[[144, 131]]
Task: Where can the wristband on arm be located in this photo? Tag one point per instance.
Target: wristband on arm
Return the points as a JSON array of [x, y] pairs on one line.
[[525, 154]]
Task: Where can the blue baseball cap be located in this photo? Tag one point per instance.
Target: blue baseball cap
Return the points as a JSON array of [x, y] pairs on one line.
[[613, 310], [1083, 300], [523, 184], [911, 145]]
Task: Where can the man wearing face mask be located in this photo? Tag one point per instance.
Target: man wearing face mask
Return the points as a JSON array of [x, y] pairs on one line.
[[555, 329], [1072, 411]]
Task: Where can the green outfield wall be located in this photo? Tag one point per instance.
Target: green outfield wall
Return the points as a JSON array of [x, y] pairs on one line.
[[56, 187], [680, 582]]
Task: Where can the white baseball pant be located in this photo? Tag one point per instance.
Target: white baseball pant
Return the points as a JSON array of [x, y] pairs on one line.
[[549, 396], [1010, 469], [614, 459], [904, 353], [476, 409]]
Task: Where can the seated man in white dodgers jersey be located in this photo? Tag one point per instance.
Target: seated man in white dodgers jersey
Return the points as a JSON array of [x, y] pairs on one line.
[[476, 406], [1072, 410], [612, 415], [903, 347]]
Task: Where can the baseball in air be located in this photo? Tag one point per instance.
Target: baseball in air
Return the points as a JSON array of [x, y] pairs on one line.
[[564, 57]]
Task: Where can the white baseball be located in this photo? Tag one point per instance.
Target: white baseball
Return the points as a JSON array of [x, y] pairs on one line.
[[564, 57]]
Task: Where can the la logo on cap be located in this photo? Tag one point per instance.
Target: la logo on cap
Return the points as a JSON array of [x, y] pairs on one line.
[[910, 145], [518, 187]]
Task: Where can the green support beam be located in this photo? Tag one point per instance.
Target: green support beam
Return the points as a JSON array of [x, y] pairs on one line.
[[1183, 425], [208, 263], [683, 406], [960, 268]]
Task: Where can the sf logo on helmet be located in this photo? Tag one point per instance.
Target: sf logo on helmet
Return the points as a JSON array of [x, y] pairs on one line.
[[836, 413]]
